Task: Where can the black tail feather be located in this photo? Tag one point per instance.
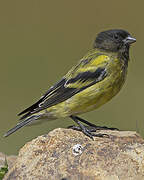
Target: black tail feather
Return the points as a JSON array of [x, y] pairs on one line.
[[30, 109], [25, 116], [22, 124]]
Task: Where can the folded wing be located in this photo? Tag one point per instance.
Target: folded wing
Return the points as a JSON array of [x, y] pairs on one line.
[[82, 76]]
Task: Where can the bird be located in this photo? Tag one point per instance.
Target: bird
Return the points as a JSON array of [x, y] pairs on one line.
[[92, 82]]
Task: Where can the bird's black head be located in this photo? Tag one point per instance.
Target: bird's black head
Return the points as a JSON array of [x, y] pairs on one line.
[[114, 40]]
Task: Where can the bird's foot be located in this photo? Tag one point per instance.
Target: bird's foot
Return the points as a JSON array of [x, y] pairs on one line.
[[88, 131], [93, 125], [90, 128], [104, 128]]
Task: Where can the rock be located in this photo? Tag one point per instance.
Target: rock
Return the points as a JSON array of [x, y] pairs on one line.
[[65, 154], [10, 160]]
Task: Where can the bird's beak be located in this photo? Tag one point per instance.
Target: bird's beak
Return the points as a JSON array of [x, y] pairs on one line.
[[129, 40]]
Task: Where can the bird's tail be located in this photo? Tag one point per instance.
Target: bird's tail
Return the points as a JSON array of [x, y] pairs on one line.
[[22, 123]]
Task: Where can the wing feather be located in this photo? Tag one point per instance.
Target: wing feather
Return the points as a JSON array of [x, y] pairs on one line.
[[48, 93], [82, 76]]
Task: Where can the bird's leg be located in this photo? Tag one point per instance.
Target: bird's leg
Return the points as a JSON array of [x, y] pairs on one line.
[[87, 130], [82, 127], [93, 126]]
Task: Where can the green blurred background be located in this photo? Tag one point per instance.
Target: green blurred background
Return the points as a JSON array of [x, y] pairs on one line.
[[41, 40]]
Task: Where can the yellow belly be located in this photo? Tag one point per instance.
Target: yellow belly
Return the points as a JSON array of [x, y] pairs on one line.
[[94, 97]]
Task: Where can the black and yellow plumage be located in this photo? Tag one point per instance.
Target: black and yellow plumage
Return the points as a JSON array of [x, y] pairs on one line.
[[91, 83]]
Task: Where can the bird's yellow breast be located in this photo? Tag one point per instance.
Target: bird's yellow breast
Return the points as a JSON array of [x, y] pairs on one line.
[[101, 92]]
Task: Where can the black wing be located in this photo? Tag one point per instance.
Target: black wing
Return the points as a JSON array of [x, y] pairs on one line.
[[30, 109], [63, 90]]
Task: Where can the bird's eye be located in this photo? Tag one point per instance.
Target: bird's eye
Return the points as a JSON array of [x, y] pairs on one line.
[[116, 36]]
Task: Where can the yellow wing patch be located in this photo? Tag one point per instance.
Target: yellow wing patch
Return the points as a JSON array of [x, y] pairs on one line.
[[102, 59], [84, 73]]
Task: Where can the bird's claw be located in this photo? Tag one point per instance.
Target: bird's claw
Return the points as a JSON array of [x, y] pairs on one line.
[[87, 130]]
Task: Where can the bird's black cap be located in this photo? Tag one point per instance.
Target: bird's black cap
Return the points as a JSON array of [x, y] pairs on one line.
[[113, 40]]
